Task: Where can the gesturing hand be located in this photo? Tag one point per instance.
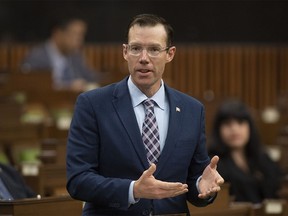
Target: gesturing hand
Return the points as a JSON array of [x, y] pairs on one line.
[[211, 180], [150, 188]]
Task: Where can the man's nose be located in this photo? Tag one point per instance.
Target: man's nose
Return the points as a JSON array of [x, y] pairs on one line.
[[144, 57]]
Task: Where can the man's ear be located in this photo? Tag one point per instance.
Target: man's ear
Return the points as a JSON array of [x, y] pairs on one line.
[[124, 51], [170, 54]]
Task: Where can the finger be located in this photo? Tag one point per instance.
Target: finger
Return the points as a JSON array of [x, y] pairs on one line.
[[202, 196], [213, 190], [206, 195], [175, 192], [180, 192], [217, 189], [171, 185], [214, 161], [150, 171], [174, 186], [209, 192], [220, 181]]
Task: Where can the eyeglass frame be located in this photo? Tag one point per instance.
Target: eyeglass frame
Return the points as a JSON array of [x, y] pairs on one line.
[[145, 48]]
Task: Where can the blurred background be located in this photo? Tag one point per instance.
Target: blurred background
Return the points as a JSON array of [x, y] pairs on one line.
[[225, 49], [194, 21]]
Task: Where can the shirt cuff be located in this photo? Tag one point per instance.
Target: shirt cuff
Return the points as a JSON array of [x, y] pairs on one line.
[[131, 199], [197, 183]]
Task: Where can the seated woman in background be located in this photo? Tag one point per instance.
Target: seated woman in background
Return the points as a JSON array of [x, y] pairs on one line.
[[243, 163]]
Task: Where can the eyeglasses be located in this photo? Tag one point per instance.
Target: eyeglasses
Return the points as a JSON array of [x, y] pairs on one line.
[[152, 51]]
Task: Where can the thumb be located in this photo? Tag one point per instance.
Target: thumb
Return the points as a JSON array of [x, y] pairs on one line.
[[150, 171], [214, 161]]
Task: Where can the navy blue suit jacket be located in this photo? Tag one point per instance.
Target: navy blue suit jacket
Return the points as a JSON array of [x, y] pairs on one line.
[[105, 152]]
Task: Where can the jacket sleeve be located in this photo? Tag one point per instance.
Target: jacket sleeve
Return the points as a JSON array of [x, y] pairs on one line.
[[198, 163], [85, 181]]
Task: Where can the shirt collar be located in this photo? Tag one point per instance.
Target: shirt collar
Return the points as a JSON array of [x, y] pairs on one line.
[[138, 96], [52, 48], [56, 56]]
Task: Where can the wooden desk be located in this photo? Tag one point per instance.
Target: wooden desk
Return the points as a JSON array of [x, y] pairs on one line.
[[56, 206], [221, 206], [233, 211], [38, 88], [53, 151], [51, 178], [15, 138], [50, 181], [271, 208], [284, 188]]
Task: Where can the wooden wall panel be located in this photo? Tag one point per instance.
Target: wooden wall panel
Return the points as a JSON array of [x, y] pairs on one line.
[[282, 68], [93, 56], [257, 74], [266, 75], [16, 55], [254, 73], [4, 53]]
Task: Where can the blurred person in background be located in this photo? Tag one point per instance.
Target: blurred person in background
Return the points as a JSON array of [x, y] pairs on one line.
[[244, 163], [12, 184], [61, 54]]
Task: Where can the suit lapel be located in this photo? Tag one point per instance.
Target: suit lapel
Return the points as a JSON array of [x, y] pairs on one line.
[[174, 128], [123, 106]]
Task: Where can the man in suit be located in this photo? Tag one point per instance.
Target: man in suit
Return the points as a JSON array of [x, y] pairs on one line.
[[111, 165], [12, 185], [61, 54]]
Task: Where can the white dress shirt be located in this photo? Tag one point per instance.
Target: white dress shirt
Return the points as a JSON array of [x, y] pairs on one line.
[[162, 116]]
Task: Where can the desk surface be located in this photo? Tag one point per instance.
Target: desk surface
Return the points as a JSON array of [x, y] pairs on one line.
[[47, 206]]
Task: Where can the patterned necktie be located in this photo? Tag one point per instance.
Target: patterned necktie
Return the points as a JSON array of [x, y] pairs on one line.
[[150, 132]]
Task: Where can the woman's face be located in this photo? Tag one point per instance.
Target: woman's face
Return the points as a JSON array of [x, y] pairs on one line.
[[234, 133]]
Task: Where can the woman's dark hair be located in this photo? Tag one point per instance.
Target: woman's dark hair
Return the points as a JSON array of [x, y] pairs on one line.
[[152, 20], [234, 110]]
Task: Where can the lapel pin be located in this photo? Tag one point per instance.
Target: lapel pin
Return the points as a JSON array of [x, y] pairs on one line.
[[178, 109]]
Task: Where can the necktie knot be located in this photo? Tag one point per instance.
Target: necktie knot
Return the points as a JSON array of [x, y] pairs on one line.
[[148, 104]]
